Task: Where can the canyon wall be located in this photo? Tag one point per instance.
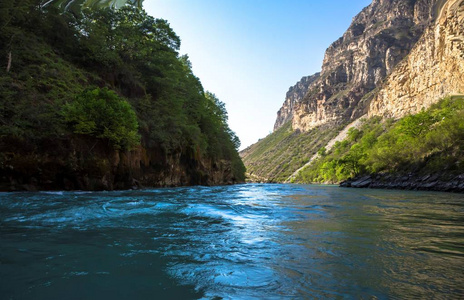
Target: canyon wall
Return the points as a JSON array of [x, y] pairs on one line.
[[89, 164], [294, 95], [433, 69], [396, 58], [380, 36]]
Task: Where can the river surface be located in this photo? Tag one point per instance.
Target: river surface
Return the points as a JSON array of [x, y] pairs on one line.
[[236, 242]]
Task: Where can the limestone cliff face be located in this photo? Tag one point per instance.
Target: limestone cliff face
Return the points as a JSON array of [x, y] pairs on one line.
[[377, 40], [294, 95], [433, 69]]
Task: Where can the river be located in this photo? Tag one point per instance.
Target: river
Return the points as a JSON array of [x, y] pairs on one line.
[[255, 241]]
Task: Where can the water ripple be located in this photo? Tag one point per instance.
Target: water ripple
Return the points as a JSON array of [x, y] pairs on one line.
[[236, 242]]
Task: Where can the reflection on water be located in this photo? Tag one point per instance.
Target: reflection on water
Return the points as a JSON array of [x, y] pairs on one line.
[[236, 242]]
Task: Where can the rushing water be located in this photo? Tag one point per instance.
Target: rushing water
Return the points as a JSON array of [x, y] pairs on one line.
[[235, 242]]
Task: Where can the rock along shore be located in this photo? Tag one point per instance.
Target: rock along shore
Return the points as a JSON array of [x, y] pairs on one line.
[[442, 182]]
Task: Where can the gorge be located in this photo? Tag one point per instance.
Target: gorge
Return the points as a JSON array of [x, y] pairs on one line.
[[120, 177]]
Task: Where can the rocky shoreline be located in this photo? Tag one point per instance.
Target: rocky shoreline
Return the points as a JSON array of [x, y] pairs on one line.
[[441, 182]]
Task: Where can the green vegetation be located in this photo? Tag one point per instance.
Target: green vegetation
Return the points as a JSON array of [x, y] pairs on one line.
[[76, 5], [107, 77], [430, 141], [105, 115], [281, 153]]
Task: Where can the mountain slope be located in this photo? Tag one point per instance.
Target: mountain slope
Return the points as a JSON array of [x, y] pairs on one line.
[[423, 151], [277, 156], [396, 58], [342, 135]]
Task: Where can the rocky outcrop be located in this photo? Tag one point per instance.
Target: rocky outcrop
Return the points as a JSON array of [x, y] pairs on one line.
[[357, 63], [429, 182], [433, 69], [294, 95]]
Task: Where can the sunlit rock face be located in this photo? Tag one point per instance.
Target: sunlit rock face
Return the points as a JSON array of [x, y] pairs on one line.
[[380, 36], [78, 4], [434, 68], [294, 95]]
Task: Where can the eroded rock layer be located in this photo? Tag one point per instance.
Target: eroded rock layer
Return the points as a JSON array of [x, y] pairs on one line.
[[433, 69], [294, 95], [380, 36]]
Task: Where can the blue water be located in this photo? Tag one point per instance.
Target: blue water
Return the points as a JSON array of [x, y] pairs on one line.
[[234, 242]]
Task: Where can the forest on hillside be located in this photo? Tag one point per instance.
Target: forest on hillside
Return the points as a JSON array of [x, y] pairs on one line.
[[107, 81]]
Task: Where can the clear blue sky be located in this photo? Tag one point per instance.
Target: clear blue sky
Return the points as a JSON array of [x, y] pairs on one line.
[[249, 52]]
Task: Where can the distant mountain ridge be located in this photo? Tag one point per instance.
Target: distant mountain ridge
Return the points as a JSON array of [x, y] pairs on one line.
[[295, 94]]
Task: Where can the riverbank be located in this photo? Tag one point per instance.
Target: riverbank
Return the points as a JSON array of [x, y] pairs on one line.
[[441, 182]]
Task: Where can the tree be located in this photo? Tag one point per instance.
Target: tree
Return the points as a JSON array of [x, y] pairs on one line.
[[351, 161], [103, 114], [76, 5], [354, 134]]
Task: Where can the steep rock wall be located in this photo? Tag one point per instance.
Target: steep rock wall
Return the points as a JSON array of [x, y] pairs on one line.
[[89, 164], [433, 69], [380, 36], [294, 95], [396, 58]]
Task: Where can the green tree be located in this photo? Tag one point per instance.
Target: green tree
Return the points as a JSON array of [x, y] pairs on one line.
[[354, 134], [352, 160], [77, 5], [103, 114]]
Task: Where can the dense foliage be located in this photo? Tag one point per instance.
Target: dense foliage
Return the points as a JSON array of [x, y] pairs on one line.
[[427, 142], [103, 114], [104, 74], [77, 5]]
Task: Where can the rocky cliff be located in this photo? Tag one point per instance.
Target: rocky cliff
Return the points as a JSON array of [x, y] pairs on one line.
[[89, 164], [380, 36], [396, 58], [294, 95], [433, 69]]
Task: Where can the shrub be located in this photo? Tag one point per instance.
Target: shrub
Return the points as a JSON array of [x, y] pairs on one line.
[[101, 113]]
